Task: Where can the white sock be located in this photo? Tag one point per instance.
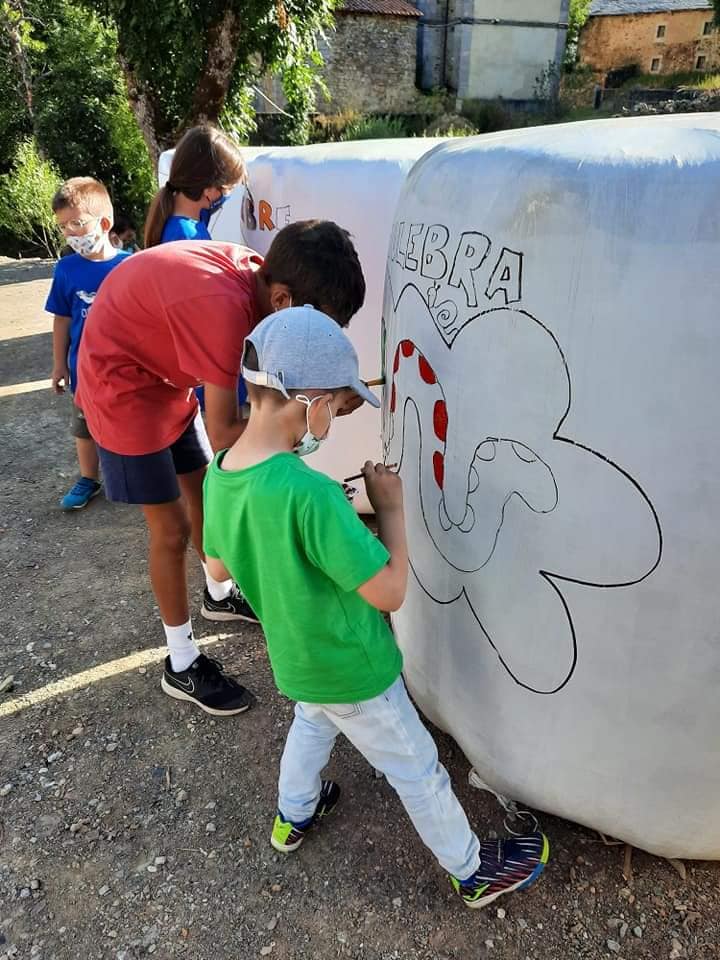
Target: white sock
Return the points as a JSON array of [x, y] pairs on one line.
[[218, 589], [181, 646]]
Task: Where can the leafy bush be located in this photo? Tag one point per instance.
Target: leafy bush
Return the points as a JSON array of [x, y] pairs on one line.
[[83, 120], [460, 131], [329, 127], [578, 13], [487, 116], [375, 128], [26, 194], [547, 91], [450, 125]]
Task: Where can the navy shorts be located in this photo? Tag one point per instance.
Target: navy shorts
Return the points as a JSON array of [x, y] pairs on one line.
[[152, 477]]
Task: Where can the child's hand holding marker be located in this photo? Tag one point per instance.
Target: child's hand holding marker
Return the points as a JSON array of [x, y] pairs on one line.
[[388, 468], [383, 485]]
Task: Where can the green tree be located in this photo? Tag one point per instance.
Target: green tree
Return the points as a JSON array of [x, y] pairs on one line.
[[63, 87], [16, 100], [186, 61], [82, 118], [577, 15], [26, 193]]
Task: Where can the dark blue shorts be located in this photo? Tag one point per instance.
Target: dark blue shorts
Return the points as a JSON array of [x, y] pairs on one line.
[[152, 477]]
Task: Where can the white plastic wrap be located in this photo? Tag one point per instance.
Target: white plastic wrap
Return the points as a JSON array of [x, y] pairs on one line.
[[552, 355], [357, 185]]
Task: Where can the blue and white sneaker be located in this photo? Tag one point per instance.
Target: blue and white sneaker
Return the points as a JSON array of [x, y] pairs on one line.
[[80, 494], [505, 865]]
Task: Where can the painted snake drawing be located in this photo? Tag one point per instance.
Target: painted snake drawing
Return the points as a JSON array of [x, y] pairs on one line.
[[474, 427]]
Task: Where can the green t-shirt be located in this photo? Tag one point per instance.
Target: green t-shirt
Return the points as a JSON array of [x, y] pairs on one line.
[[298, 551]]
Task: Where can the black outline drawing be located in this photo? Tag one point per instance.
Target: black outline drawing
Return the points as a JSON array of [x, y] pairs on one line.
[[548, 576]]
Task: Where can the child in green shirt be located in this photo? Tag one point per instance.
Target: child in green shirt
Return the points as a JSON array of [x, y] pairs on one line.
[[318, 580]]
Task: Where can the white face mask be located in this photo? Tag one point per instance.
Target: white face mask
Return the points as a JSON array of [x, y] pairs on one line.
[[88, 244], [309, 443]]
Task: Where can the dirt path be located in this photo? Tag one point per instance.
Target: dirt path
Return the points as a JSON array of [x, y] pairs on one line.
[[132, 826]]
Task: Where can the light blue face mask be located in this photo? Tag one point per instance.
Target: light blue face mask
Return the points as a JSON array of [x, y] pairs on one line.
[[309, 443]]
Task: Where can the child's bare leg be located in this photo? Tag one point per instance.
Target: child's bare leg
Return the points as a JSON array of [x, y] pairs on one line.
[[191, 485], [191, 488], [169, 528], [87, 458]]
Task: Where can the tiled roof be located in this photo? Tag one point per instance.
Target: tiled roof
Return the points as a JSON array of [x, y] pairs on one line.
[[380, 8], [611, 8]]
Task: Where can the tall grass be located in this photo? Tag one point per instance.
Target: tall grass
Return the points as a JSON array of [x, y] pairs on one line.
[[675, 81], [375, 128]]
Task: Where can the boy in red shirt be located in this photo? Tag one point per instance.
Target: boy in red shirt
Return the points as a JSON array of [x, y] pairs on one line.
[[178, 318]]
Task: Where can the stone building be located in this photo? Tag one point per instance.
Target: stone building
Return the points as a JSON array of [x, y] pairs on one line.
[[370, 61], [657, 36], [488, 49], [382, 53], [371, 57]]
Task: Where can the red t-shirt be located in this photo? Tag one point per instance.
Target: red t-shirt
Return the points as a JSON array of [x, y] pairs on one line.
[[175, 316]]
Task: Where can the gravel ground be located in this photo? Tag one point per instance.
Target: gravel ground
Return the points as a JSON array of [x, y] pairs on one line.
[[132, 825]]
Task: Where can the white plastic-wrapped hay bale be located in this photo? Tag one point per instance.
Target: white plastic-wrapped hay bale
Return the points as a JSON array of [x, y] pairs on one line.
[[357, 185], [552, 354]]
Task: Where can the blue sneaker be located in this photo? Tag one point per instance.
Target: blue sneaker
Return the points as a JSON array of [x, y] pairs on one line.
[[505, 865], [80, 494]]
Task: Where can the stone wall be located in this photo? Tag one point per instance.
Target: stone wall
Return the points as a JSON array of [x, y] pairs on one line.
[[607, 43], [370, 64]]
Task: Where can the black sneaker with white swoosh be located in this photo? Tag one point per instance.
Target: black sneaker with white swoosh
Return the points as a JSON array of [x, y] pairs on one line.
[[232, 607], [205, 685]]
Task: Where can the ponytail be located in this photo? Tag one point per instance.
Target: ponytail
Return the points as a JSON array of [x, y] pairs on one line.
[[160, 209], [204, 157]]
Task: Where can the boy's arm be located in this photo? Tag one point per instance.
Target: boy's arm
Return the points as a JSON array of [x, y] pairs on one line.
[[222, 417], [61, 345], [386, 590]]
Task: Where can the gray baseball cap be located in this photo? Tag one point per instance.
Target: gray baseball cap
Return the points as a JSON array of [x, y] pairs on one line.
[[300, 348]]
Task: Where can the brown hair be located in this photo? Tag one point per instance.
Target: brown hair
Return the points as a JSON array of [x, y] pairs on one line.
[[87, 194], [318, 263], [203, 158]]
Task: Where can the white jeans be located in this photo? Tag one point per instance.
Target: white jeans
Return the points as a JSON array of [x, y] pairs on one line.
[[389, 733]]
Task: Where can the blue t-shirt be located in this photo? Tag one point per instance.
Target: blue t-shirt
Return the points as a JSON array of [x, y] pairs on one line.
[[76, 280], [184, 228]]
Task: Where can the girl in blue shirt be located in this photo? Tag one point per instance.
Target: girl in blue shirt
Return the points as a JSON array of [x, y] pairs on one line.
[[205, 168]]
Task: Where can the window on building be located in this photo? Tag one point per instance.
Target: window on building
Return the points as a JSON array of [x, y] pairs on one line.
[[660, 33], [700, 63], [655, 65], [707, 28]]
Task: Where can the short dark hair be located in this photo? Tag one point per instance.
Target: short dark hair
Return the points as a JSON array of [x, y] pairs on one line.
[[122, 223], [317, 261]]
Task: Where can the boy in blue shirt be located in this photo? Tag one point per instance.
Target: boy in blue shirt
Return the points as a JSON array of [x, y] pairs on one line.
[[84, 215]]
